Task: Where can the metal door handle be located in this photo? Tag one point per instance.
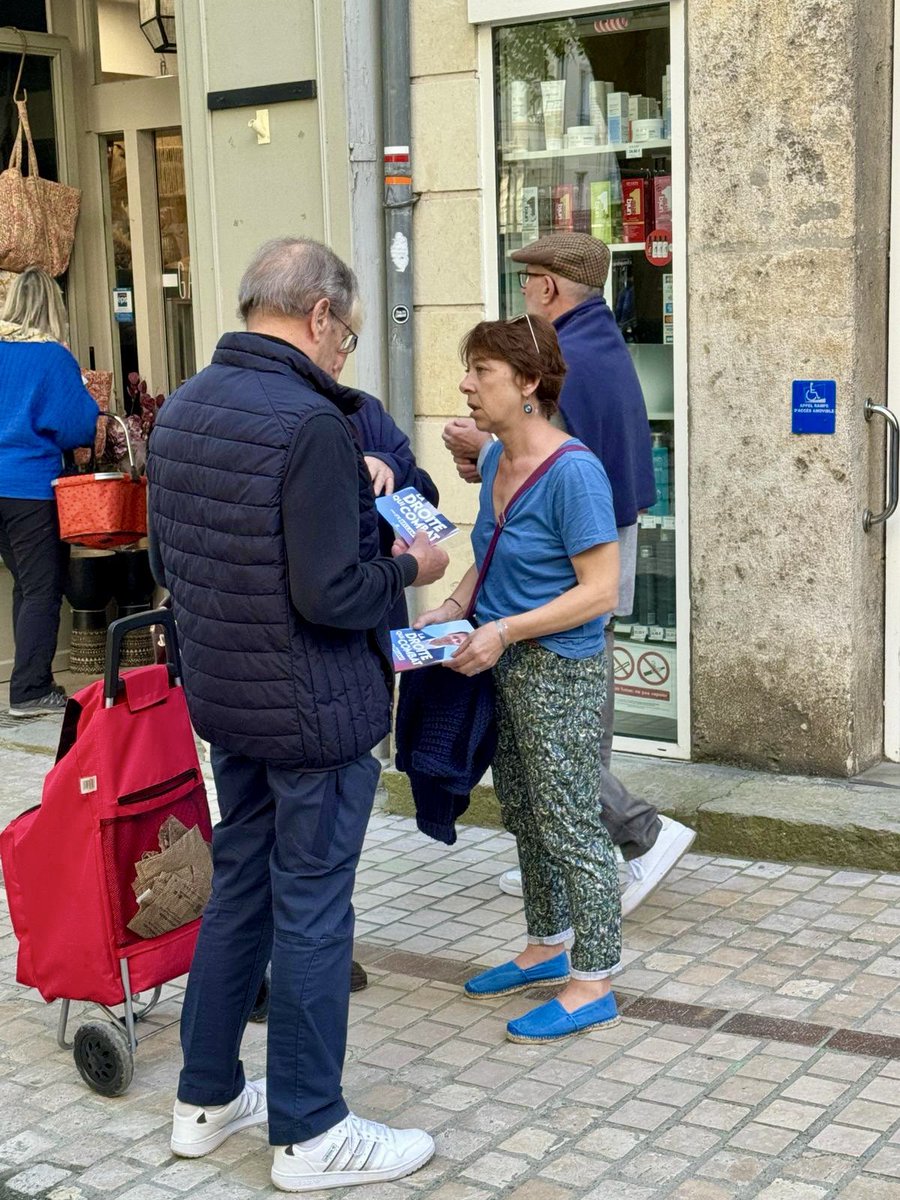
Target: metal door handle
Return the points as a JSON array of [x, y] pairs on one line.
[[893, 465], [183, 273]]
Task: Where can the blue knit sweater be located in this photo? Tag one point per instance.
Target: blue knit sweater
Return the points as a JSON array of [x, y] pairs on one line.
[[44, 409]]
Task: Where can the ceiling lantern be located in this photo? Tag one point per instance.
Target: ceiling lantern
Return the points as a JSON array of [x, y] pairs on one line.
[[157, 19]]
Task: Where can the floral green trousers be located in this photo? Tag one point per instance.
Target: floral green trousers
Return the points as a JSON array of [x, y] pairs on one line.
[[547, 778]]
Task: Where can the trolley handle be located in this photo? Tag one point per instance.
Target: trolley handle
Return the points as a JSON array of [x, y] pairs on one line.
[[116, 635]]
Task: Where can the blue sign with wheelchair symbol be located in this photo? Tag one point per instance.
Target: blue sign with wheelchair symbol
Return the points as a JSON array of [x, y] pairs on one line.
[[814, 404]]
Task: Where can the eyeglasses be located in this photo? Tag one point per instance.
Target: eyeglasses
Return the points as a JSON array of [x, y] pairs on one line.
[[350, 339], [524, 276], [526, 317]]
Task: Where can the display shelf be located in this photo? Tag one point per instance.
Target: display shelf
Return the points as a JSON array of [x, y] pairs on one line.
[[632, 149]]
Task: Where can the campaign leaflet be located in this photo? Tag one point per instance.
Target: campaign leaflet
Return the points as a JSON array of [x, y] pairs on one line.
[[412, 648], [407, 511]]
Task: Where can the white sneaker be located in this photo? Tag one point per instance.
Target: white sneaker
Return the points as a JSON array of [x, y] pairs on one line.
[[197, 1130], [511, 883], [648, 871], [353, 1151]]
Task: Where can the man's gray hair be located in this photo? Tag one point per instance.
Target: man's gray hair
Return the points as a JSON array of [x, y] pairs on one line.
[[576, 292], [291, 275]]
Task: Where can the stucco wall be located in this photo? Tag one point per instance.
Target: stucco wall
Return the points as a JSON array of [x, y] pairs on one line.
[[788, 211], [241, 192]]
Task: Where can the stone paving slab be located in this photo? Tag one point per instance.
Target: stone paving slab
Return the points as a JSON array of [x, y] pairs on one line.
[[757, 1055]]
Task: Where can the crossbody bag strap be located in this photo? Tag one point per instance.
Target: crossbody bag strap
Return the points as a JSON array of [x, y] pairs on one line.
[[538, 473]]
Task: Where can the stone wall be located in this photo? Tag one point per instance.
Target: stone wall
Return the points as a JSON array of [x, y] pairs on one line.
[[788, 113], [447, 251]]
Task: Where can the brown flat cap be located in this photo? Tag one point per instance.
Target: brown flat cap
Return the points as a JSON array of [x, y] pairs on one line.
[[576, 256]]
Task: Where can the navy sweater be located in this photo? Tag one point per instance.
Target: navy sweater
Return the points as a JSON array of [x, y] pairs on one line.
[[603, 406]]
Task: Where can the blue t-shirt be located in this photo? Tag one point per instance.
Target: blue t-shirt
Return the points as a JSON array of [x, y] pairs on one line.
[[567, 511]]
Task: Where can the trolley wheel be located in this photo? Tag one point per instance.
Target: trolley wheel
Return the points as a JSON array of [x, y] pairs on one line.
[[260, 1011], [103, 1057]]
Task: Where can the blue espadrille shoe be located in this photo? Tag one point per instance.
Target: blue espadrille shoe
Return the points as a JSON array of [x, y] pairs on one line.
[[550, 1022], [508, 978]]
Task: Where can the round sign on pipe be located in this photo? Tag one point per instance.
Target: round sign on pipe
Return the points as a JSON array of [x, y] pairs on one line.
[[399, 314]]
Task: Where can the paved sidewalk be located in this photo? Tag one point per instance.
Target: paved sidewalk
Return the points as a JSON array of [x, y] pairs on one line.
[[758, 1056]]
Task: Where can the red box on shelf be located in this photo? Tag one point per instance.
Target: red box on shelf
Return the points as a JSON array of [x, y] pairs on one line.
[[662, 202], [563, 208], [634, 210]]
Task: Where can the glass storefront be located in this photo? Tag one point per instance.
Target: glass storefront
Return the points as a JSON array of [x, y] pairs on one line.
[[584, 142], [175, 254]]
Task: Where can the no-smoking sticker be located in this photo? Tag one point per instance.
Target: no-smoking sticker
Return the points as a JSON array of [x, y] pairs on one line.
[[653, 668], [623, 663]]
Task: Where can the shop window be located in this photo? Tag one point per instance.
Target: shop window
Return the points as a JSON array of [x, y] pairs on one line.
[[175, 255], [584, 143]]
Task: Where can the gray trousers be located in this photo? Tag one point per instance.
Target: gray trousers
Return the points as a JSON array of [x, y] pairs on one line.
[[632, 824]]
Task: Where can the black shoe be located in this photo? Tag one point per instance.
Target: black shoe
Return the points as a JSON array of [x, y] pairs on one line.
[[358, 977]]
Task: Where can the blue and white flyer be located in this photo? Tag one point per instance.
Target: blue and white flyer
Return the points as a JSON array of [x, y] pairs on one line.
[[407, 511], [412, 648]]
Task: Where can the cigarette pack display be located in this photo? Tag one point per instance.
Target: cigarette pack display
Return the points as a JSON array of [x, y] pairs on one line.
[[634, 210], [617, 119], [601, 210], [665, 578], [530, 221], [563, 205], [645, 580], [662, 202]]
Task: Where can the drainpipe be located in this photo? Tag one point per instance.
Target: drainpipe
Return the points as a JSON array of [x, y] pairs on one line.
[[398, 202]]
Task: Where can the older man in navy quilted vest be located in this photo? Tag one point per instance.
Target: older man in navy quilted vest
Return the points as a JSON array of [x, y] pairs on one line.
[[264, 522]]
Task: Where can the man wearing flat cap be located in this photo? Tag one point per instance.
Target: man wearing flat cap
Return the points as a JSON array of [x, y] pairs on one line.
[[601, 403]]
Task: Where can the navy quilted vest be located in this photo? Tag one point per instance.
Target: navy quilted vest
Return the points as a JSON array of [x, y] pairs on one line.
[[260, 680]]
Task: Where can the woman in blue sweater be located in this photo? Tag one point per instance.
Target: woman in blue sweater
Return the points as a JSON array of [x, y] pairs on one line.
[[44, 410]]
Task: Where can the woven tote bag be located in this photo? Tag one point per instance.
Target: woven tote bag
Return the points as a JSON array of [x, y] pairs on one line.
[[37, 216]]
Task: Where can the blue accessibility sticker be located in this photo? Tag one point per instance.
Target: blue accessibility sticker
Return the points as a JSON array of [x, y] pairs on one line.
[[814, 405]]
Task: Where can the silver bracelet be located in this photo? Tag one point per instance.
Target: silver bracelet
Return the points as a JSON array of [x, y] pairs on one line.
[[503, 631]]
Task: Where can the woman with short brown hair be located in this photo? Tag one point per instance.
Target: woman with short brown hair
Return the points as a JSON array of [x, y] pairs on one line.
[[541, 611]]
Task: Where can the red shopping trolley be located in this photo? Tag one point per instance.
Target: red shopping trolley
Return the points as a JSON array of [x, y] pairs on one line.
[[127, 763]]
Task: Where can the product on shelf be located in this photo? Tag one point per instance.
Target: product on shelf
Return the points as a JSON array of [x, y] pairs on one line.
[[638, 109], [530, 221], [668, 310], [600, 91], [665, 578], [634, 210], [553, 100], [617, 117], [581, 137], [645, 130], [601, 210], [662, 202], [644, 612], [660, 455], [563, 208], [519, 122], [667, 102]]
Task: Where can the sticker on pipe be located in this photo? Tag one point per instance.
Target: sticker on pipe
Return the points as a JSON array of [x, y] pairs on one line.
[[399, 314]]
